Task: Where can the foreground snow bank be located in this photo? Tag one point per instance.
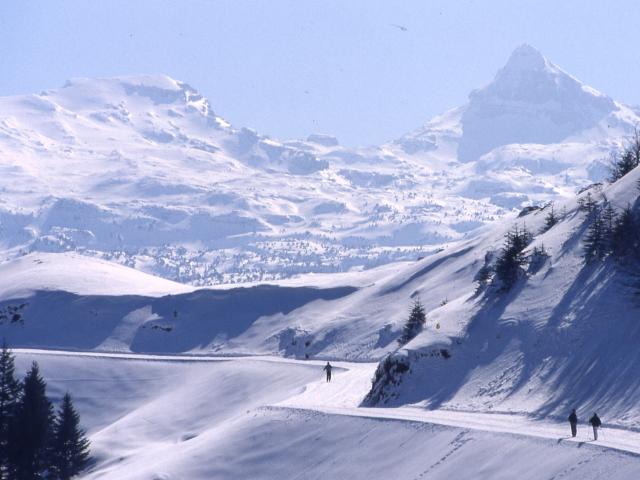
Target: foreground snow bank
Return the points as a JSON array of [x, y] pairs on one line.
[[207, 419]]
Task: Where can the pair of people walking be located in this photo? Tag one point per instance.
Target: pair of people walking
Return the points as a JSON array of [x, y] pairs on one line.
[[594, 421]]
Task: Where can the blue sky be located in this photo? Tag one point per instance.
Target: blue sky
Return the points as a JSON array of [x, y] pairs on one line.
[[290, 68]]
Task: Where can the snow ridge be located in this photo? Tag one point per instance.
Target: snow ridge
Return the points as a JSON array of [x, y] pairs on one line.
[[140, 170]]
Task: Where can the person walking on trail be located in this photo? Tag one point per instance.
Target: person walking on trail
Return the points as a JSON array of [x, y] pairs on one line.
[[327, 368], [573, 421], [595, 423]]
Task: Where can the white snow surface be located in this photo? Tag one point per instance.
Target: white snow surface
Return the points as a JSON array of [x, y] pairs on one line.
[[270, 418], [516, 363], [562, 337], [79, 274], [140, 170], [359, 315]]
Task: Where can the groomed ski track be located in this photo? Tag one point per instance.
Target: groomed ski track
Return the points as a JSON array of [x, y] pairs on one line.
[[351, 381]]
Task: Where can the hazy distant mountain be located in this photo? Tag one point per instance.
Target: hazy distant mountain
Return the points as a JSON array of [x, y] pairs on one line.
[[142, 171]]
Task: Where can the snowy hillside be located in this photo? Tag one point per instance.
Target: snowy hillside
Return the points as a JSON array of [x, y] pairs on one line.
[[79, 275], [356, 315], [75, 302], [141, 171], [563, 336]]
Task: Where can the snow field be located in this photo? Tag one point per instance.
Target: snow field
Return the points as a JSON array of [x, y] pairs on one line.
[[176, 418], [75, 273]]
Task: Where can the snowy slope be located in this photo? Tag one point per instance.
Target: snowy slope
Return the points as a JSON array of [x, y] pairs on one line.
[[142, 171], [521, 336], [158, 315], [80, 275], [104, 180], [167, 418], [564, 336]]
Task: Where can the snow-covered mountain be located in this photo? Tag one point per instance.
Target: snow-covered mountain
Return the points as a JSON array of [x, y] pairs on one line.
[[530, 101], [140, 170], [533, 101], [534, 129]]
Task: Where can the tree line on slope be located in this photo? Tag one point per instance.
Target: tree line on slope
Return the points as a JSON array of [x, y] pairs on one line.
[[610, 232], [504, 272], [622, 163], [36, 442], [509, 265], [613, 233]]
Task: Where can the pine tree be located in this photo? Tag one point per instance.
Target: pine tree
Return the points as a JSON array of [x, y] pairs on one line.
[[9, 394], [415, 323], [512, 258], [628, 160], [538, 256], [621, 165], [70, 447], [550, 220], [587, 203], [30, 429], [626, 235], [608, 226], [483, 277], [595, 241]]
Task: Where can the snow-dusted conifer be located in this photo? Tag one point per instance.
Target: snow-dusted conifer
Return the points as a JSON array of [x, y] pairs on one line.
[[628, 160], [625, 240], [9, 394], [70, 447], [608, 225], [30, 429], [512, 258], [550, 220], [595, 242], [415, 323]]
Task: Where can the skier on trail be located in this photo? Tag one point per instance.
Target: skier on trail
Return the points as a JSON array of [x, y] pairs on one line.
[[595, 423], [573, 421], [328, 368]]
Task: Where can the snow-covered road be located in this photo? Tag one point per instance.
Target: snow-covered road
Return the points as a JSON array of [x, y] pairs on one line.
[[343, 395], [351, 382]]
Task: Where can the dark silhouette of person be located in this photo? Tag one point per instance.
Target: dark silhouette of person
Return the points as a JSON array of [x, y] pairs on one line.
[[595, 423], [573, 421], [327, 368]]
